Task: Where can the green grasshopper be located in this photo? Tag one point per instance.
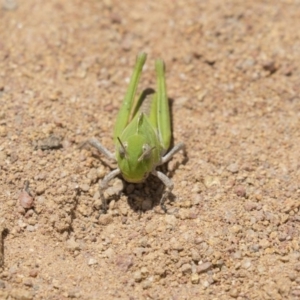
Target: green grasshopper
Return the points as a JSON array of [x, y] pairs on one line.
[[142, 134]]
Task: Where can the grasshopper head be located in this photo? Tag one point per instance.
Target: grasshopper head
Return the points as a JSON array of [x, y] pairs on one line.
[[135, 158]]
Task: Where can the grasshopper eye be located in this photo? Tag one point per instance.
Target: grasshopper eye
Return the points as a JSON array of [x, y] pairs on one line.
[[122, 149], [146, 152]]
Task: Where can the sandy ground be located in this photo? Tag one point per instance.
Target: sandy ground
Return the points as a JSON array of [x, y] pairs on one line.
[[233, 76]]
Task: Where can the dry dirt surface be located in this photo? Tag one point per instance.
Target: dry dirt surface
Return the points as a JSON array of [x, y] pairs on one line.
[[233, 224]]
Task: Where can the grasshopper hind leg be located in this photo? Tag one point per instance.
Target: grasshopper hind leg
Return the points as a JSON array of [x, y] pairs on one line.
[[96, 144]]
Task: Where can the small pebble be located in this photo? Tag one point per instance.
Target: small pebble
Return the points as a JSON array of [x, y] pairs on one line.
[[150, 227], [137, 276], [233, 168], [254, 248], [33, 273], [203, 267], [293, 276], [124, 262], [27, 282], [92, 261], [237, 255], [25, 200], [195, 278], [32, 221], [11, 203], [198, 240], [236, 229], [147, 284], [143, 242], [234, 293], [123, 210], [209, 181], [175, 244], [21, 294], [184, 214], [116, 188], [186, 269], [21, 210], [249, 206], [93, 175], [72, 244], [282, 236], [30, 228], [284, 259], [111, 204], [170, 220], [246, 263], [195, 255], [264, 243], [144, 271], [22, 224], [29, 213], [109, 253], [85, 187], [159, 270], [105, 219], [56, 283], [205, 284], [240, 191]]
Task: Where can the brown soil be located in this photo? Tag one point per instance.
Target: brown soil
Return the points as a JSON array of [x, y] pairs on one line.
[[233, 78]]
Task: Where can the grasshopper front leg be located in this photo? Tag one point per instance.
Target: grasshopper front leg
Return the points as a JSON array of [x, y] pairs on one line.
[[95, 143], [104, 183]]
